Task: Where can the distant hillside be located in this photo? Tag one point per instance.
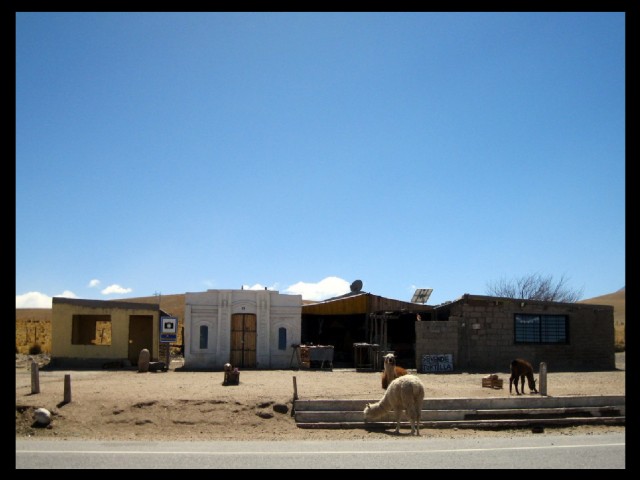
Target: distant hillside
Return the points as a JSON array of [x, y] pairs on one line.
[[616, 300], [171, 304], [34, 314], [33, 327]]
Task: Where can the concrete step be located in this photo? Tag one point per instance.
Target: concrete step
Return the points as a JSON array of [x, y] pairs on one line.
[[467, 412], [479, 424], [341, 416], [522, 401]]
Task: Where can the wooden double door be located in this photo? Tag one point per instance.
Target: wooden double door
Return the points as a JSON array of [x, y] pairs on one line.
[[243, 340]]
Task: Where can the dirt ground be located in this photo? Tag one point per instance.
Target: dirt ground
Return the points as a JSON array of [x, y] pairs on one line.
[[181, 405]]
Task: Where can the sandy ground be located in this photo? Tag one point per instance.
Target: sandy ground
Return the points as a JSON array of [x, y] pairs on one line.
[[179, 405]]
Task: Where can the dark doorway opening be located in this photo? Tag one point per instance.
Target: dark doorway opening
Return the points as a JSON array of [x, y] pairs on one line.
[[342, 331]]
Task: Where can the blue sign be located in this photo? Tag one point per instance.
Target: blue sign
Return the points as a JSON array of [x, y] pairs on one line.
[[168, 337], [168, 324]]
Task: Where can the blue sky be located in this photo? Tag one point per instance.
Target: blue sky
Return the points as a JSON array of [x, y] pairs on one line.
[[180, 152]]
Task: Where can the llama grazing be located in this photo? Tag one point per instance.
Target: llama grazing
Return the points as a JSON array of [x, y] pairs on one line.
[[406, 394], [519, 370], [391, 370]]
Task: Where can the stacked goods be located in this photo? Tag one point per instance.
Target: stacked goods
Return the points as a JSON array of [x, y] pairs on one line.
[[305, 357], [492, 381]]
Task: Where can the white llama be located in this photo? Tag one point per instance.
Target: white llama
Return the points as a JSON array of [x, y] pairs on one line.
[[406, 394]]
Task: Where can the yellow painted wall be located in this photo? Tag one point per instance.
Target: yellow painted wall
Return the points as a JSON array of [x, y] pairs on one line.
[[62, 324]]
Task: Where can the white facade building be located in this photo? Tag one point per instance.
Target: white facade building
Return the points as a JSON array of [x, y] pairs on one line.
[[247, 328]]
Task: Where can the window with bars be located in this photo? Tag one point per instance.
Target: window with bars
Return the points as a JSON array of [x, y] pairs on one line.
[[541, 328]]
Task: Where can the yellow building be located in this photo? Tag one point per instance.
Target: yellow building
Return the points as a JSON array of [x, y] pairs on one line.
[[94, 333]]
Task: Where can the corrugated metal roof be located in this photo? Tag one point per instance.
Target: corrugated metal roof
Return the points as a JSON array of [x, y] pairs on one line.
[[362, 303], [486, 299]]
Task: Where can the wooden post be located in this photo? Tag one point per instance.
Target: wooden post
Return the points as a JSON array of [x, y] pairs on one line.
[[376, 333], [67, 388], [384, 334], [35, 377], [543, 379], [295, 389]]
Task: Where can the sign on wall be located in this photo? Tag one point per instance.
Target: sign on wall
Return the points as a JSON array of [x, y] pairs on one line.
[[437, 363], [168, 329]]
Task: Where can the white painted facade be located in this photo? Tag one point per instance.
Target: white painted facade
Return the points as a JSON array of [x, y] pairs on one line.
[[211, 312]]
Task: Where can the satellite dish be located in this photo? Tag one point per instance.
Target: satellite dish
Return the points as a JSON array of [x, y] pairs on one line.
[[356, 286], [421, 295]]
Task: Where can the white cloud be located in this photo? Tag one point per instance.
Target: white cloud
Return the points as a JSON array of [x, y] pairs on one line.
[[258, 286], [94, 283], [210, 284], [67, 294], [33, 300], [115, 288], [325, 288], [39, 300]]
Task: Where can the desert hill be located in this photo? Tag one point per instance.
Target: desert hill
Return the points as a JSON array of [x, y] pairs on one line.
[[616, 299]]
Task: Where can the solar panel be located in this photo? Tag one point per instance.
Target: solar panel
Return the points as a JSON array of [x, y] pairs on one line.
[[421, 295]]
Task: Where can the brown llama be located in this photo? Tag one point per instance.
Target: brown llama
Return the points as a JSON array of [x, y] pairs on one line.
[[391, 370], [519, 370]]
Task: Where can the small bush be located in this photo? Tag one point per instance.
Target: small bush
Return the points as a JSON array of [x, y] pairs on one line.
[[35, 349]]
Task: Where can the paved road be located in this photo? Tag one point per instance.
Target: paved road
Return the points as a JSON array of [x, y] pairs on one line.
[[544, 450]]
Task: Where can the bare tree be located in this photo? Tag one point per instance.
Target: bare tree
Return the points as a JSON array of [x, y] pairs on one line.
[[535, 287]]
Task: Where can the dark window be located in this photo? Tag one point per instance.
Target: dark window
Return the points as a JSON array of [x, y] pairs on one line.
[[540, 328], [282, 338], [553, 329], [204, 337], [91, 330]]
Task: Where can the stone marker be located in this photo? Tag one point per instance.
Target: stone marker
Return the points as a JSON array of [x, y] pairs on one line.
[[157, 367], [67, 388], [543, 378], [143, 360], [42, 416], [35, 377]]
